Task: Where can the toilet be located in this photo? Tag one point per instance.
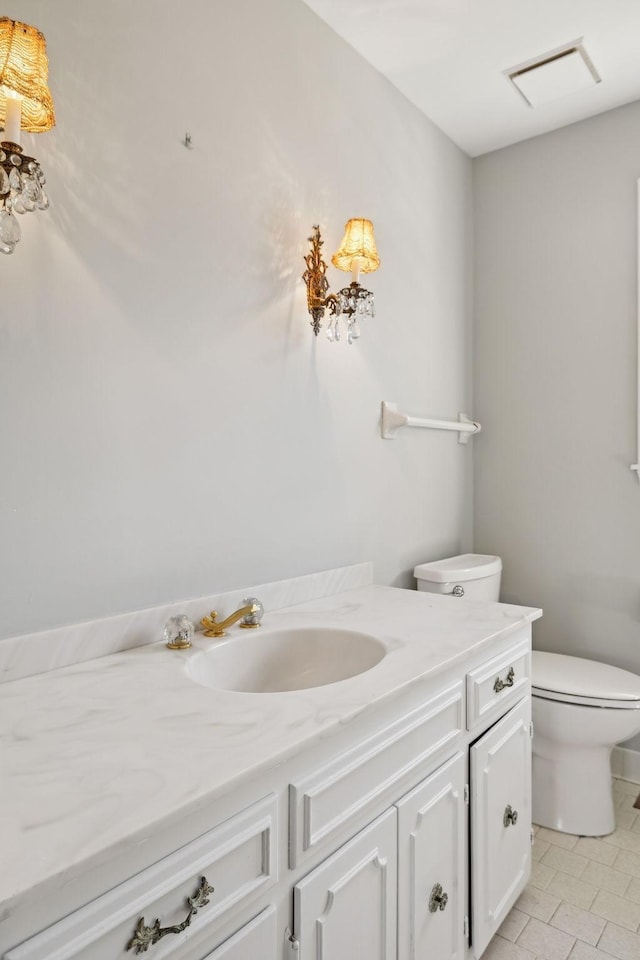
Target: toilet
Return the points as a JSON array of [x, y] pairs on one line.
[[471, 575], [581, 709]]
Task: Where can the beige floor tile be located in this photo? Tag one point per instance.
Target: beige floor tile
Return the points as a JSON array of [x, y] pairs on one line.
[[541, 875], [583, 951], [513, 925], [565, 840], [545, 942], [571, 890], [625, 786], [633, 890], [628, 820], [539, 848], [578, 923], [628, 862], [501, 949], [538, 903], [617, 910], [607, 878], [595, 849], [620, 943], [565, 860], [625, 840], [623, 801]]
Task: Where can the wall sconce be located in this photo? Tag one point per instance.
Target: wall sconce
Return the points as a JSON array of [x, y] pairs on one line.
[[25, 104], [357, 253]]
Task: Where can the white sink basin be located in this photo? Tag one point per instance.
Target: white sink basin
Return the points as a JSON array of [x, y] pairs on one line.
[[285, 660]]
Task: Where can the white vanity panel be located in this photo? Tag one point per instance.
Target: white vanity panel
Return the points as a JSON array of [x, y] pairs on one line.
[[325, 800], [431, 866], [500, 769], [257, 938], [346, 907]]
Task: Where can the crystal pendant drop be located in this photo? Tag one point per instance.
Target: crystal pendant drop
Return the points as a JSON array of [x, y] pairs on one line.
[[5, 186], [330, 334], [10, 230], [14, 181], [354, 332], [30, 191]]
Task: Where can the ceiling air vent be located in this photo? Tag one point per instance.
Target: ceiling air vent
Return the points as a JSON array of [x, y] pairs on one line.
[[554, 75]]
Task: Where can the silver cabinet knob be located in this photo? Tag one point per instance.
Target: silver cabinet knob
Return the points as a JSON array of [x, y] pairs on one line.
[[438, 899]]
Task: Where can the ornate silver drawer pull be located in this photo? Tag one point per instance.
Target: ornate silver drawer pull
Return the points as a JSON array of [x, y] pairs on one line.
[[438, 899], [144, 937], [500, 684], [510, 816]]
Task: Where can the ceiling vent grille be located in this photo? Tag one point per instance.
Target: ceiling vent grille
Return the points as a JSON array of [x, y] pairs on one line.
[[554, 75]]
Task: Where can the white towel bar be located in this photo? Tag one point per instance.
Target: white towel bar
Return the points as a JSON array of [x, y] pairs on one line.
[[392, 420]]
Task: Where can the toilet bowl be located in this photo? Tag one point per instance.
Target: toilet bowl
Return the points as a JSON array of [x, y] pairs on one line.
[[580, 709]]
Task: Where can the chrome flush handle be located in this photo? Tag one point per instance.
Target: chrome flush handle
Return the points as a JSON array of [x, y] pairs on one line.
[[457, 591]]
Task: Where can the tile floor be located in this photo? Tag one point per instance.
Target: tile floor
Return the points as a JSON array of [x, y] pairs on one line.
[[583, 900]]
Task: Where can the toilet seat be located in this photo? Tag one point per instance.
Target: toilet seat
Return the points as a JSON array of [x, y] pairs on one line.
[[585, 682]]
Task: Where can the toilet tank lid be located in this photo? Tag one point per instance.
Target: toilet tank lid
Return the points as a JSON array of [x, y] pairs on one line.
[[468, 566], [582, 678]]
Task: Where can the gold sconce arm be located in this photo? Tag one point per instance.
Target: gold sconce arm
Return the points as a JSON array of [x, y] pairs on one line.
[[357, 252]]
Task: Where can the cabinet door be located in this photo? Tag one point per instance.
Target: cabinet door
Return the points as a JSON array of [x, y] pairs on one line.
[[431, 866], [256, 939], [500, 821], [346, 907]]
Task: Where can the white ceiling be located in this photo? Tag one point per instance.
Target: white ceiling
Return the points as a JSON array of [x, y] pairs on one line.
[[448, 58]]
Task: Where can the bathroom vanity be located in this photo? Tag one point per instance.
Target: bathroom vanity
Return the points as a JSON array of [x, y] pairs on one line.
[[382, 816]]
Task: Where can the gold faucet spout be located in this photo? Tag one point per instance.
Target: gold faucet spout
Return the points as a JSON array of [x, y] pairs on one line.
[[213, 628]]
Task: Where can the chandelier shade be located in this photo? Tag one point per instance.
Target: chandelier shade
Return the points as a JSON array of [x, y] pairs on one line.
[[24, 70], [358, 242]]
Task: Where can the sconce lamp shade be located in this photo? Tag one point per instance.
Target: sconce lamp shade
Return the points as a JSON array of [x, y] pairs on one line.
[[358, 241], [24, 73]]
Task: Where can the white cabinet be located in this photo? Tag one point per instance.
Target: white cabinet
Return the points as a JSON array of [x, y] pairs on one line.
[[378, 845], [500, 768], [346, 907], [431, 866]]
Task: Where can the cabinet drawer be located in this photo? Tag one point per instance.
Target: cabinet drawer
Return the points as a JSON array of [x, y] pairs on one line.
[[237, 858], [256, 939], [323, 802], [496, 685]]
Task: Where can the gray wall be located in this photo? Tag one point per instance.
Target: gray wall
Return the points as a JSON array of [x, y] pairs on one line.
[[555, 381], [169, 425]]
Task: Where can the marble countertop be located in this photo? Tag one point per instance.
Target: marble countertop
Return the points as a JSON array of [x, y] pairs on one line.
[[83, 750]]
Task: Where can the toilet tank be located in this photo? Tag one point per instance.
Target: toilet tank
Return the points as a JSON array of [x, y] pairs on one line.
[[471, 575]]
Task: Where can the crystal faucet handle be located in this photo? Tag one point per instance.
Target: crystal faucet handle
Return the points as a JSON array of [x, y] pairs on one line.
[[252, 619], [178, 632]]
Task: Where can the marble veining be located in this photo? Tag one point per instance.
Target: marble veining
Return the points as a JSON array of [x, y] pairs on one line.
[[84, 748], [46, 650]]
